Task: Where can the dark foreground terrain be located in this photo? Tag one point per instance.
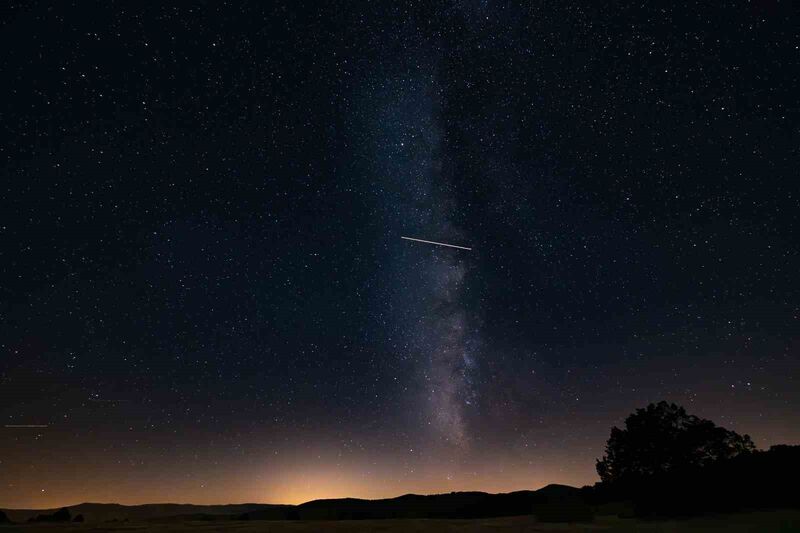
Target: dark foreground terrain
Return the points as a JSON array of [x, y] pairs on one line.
[[552, 508], [766, 521]]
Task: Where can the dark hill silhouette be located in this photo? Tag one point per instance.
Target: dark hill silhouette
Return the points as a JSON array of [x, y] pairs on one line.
[[104, 512], [552, 500], [452, 505], [4, 518], [62, 515]]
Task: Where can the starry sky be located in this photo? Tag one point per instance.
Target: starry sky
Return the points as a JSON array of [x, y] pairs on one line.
[[205, 298]]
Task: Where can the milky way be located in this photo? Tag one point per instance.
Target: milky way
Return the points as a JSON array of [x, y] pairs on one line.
[[204, 293], [450, 347], [439, 326]]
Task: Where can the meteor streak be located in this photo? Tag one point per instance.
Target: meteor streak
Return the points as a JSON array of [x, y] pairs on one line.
[[436, 243]]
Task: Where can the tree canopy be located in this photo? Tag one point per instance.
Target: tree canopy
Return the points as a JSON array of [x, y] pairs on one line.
[[661, 438]]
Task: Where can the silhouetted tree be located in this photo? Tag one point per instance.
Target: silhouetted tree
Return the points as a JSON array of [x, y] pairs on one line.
[[662, 438], [4, 518]]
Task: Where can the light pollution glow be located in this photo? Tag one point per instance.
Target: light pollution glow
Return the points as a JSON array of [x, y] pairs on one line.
[[306, 478]]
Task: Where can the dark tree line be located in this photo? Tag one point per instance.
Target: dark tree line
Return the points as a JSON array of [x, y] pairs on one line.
[[668, 462], [661, 438]]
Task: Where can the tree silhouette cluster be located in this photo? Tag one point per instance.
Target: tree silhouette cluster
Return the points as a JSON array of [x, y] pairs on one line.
[[668, 462], [661, 438]]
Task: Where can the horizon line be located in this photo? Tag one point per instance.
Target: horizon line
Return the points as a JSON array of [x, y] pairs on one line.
[[279, 504]]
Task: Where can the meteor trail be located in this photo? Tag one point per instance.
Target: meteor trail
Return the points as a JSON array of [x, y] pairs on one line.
[[436, 243]]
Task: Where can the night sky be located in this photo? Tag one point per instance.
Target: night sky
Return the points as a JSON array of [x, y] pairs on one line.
[[204, 294]]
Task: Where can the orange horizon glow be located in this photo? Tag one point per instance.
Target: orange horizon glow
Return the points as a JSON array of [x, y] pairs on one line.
[[290, 487], [296, 474]]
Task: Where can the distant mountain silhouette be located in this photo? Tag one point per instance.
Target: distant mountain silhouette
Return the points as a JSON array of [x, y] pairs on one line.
[[62, 515], [556, 502], [105, 512], [452, 505]]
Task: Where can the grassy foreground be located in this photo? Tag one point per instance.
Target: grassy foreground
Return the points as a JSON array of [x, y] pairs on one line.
[[762, 521]]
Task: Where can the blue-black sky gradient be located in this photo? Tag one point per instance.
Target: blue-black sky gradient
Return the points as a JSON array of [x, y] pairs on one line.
[[203, 290]]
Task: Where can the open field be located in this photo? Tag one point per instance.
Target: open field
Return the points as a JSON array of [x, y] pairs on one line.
[[765, 521]]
